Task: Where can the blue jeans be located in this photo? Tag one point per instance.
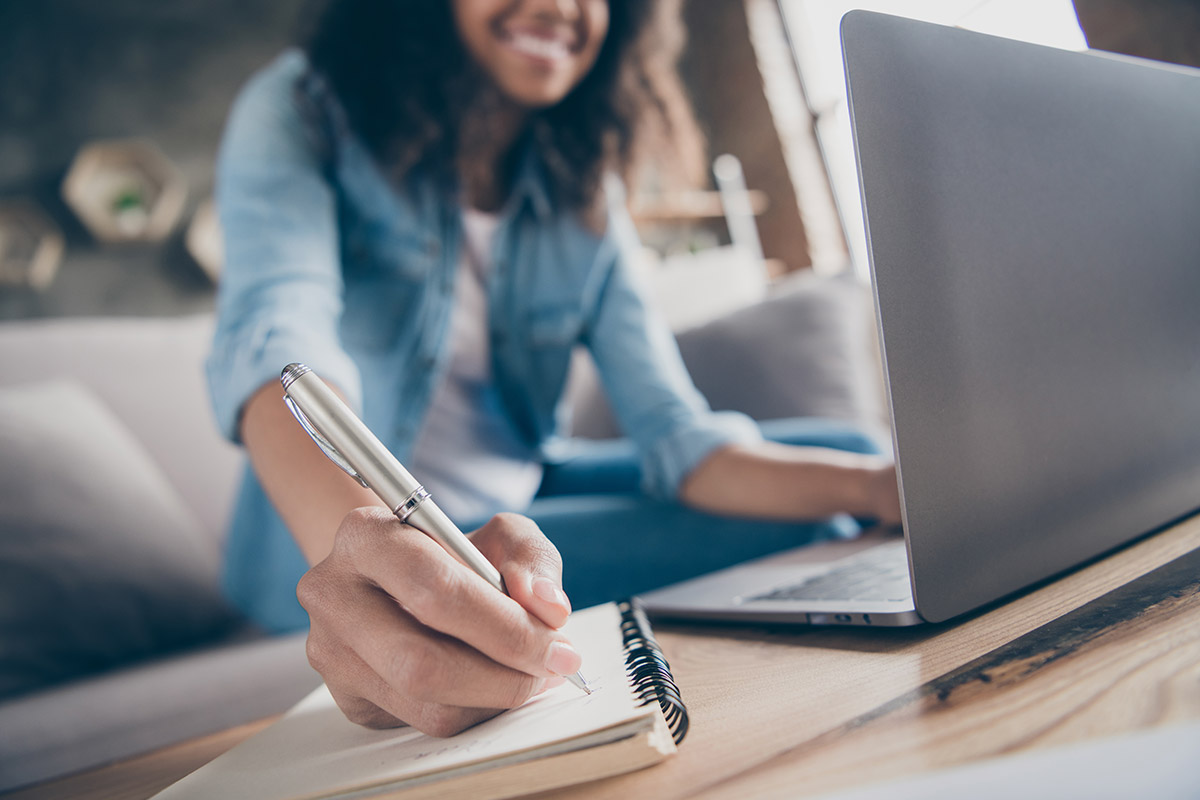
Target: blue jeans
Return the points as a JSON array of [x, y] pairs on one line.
[[615, 541]]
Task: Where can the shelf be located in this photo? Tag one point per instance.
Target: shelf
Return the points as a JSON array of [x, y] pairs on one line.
[[125, 190], [691, 206], [31, 246], [203, 240]]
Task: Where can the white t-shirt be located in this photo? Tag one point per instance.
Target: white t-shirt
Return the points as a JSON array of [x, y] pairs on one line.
[[467, 454]]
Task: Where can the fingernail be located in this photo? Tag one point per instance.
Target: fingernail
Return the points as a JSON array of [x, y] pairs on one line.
[[563, 660], [548, 590]]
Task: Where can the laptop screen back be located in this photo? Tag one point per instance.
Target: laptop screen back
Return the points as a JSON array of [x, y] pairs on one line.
[[1033, 219]]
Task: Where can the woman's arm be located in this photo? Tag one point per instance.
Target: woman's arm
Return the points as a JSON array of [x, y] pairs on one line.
[[713, 462], [778, 481], [309, 491], [400, 630]]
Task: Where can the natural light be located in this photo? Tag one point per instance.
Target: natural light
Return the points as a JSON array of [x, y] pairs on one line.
[[812, 26]]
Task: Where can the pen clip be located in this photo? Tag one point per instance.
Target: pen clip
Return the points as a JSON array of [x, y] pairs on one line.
[[328, 449]]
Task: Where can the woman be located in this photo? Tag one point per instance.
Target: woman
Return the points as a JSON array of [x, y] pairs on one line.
[[419, 205]]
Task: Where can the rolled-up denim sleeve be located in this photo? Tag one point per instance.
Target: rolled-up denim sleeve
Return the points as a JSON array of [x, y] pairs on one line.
[[280, 295], [651, 393]]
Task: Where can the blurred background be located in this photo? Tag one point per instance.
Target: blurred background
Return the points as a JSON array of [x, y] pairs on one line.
[[111, 112]]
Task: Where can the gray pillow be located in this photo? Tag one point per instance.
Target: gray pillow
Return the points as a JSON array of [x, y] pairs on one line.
[[101, 563], [808, 350]]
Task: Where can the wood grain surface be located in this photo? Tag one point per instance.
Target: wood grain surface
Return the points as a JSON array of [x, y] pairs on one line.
[[780, 713], [1112, 647], [1128, 660]]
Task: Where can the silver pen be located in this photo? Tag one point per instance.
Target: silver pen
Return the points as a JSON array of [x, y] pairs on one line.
[[347, 441]]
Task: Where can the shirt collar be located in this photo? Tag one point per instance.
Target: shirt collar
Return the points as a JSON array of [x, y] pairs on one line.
[[531, 184]]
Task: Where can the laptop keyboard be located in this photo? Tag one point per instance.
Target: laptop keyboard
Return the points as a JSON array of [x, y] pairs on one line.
[[876, 574]]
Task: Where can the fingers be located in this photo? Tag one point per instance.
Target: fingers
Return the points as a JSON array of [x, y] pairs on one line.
[[348, 670], [373, 704], [432, 667], [448, 597], [401, 631], [530, 565], [432, 718], [886, 495]]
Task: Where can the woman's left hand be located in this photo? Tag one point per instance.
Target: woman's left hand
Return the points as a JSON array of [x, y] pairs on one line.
[[884, 494]]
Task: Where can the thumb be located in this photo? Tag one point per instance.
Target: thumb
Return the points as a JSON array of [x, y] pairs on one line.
[[530, 565], [548, 602]]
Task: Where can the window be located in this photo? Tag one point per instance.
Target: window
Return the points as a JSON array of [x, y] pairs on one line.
[[812, 28]]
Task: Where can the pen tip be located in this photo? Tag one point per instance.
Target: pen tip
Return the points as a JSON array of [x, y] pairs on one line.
[[580, 683]]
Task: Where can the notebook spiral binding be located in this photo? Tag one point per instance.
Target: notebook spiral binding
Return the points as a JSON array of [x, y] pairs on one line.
[[648, 669]]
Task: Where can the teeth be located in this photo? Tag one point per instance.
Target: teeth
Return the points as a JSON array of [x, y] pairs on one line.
[[539, 48]]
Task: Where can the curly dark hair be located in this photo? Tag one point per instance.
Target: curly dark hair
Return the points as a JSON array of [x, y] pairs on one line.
[[405, 81]]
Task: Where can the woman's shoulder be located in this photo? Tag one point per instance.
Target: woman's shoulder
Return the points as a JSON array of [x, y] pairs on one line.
[[277, 80], [610, 217], [284, 99], [268, 100]]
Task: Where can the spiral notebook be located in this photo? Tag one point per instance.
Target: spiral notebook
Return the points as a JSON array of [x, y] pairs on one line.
[[635, 718]]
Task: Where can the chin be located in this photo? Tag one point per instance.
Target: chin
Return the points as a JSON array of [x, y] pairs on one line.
[[536, 97]]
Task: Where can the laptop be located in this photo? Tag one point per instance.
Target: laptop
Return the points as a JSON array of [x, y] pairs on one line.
[[1033, 220]]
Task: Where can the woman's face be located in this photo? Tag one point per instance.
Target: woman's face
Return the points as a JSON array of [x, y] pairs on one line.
[[536, 51]]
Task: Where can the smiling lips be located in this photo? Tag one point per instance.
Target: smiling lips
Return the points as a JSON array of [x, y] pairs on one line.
[[539, 45]]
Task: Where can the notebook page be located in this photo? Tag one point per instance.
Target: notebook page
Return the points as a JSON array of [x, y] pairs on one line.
[[314, 751]]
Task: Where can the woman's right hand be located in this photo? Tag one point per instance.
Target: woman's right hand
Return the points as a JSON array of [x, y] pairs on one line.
[[402, 632]]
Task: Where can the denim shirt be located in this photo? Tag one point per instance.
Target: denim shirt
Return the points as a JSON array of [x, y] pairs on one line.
[[330, 263]]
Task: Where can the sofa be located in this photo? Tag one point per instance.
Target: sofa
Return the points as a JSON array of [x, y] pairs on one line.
[[115, 488]]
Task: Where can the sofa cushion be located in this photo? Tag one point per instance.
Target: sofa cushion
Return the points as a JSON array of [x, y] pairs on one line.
[[101, 564], [149, 371], [807, 350], [127, 712]]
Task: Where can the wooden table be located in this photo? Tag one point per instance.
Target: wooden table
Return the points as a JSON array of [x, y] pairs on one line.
[[1113, 647]]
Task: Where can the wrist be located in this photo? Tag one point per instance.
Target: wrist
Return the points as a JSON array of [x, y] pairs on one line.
[[882, 494]]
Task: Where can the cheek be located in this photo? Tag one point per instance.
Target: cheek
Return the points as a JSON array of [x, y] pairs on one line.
[[597, 21], [587, 63], [472, 21], [596, 12]]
